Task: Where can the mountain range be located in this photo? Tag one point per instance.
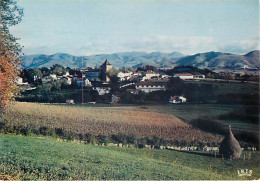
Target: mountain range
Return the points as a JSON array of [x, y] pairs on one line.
[[211, 60]]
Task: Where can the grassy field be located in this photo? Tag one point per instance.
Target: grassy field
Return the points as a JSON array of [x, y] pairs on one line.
[[190, 112], [217, 117], [229, 87], [46, 158], [129, 120]]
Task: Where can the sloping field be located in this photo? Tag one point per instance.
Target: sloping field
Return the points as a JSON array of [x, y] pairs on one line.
[[104, 121], [30, 158]]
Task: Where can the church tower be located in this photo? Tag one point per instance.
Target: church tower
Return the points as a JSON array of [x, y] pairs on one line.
[[105, 67]]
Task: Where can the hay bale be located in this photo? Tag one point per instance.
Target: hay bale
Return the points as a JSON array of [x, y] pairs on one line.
[[230, 147]]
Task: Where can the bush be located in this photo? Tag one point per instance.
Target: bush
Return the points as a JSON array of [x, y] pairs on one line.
[[59, 132], [43, 131], [103, 139]]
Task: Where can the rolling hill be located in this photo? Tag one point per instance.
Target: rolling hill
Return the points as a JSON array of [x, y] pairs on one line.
[[127, 59], [211, 60], [221, 60]]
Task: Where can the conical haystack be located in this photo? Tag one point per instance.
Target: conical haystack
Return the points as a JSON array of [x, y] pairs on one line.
[[230, 147]]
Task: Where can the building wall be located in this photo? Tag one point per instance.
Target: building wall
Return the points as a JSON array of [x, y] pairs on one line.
[[150, 88]]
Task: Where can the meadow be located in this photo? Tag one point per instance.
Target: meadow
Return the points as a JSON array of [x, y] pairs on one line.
[[30, 158], [215, 119]]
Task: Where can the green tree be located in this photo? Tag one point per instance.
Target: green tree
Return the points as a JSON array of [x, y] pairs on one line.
[[45, 71], [114, 84], [58, 70], [112, 72], [10, 50], [175, 86]]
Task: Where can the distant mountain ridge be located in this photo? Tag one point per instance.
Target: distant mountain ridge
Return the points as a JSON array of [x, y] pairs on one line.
[[222, 60], [136, 59], [127, 59]]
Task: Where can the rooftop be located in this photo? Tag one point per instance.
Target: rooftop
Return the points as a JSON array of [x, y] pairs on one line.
[[106, 62]]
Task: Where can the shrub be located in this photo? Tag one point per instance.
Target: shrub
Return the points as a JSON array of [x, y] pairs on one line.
[[43, 130], [59, 132], [103, 139]]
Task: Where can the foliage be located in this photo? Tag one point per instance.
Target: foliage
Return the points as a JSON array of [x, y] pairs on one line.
[[11, 15], [176, 86], [129, 98], [58, 70], [45, 71], [114, 84], [112, 72], [146, 68], [191, 69]]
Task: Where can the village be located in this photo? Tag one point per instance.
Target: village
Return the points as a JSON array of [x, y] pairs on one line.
[[107, 80]]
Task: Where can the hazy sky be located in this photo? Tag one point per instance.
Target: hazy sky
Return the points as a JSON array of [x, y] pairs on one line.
[[84, 27]]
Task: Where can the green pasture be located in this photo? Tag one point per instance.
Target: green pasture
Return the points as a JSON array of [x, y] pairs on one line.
[[47, 158]]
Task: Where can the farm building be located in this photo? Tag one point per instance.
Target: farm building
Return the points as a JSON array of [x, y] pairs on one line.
[[149, 75], [184, 76], [150, 86], [123, 76], [70, 101], [177, 99], [189, 76], [198, 76]]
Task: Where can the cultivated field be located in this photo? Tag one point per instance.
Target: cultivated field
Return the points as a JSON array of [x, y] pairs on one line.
[[134, 121]]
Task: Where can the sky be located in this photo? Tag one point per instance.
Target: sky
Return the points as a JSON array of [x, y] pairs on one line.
[[86, 27]]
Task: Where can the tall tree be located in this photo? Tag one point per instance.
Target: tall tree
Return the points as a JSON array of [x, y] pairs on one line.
[[10, 50]]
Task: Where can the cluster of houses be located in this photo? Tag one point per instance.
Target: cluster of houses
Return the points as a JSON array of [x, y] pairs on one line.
[[97, 79]]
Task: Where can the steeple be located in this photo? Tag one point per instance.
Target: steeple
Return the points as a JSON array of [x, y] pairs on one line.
[[106, 62], [105, 67]]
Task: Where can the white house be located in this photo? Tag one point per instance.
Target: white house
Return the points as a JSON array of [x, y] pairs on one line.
[[124, 75], [83, 82], [19, 80], [53, 76], [66, 74], [184, 76], [102, 88], [68, 80], [132, 91], [177, 99], [189, 76], [149, 75], [198, 76], [150, 86], [70, 101]]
